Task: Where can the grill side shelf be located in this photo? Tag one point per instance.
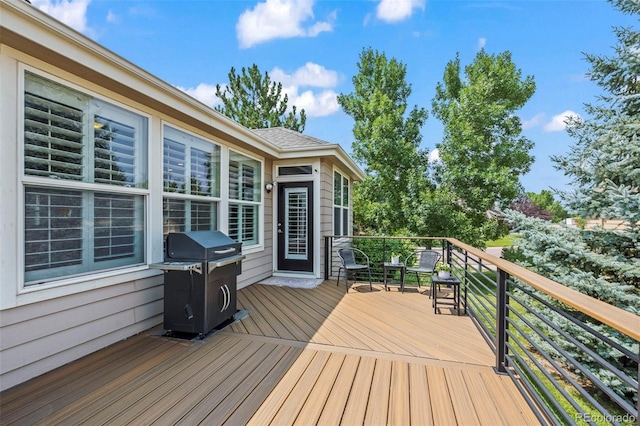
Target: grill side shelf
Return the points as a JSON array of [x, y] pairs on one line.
[[178, 266]]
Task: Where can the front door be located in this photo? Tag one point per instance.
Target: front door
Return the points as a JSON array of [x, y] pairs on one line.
[[294, 226]]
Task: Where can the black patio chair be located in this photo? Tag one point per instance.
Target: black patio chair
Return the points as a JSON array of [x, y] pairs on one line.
[[422, 262], [350, 258]]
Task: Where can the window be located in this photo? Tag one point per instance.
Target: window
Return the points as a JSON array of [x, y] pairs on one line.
[[85, 178], [191, 168], [294, 170], [340, 204], [244, 198]]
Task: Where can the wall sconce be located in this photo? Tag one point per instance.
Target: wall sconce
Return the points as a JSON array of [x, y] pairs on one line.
[[269, 186]]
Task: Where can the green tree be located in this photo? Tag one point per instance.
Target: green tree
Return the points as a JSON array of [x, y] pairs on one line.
[[387, 137], [254, 101], [482, 152], [546, 202], [604, 165]]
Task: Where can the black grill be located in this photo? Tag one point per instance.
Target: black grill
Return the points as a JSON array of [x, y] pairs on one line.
[[200, 281]]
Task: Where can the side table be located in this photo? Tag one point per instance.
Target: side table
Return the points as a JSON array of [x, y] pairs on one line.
[[453, 300], [389, 267]]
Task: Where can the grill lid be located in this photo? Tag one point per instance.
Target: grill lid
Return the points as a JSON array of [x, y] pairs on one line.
[[201, 246]]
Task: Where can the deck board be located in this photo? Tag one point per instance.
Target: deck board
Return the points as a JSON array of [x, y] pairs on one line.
[[301, 356]]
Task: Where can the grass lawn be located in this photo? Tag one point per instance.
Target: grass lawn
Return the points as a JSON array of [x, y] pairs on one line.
[[506, 241]]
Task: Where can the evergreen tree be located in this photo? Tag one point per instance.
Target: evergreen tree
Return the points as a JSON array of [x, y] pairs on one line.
[[256, 102], [604, 165]]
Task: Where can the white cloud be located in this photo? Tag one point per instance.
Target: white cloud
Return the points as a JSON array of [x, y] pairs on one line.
[[319, 104], [558, 122], [112, 17], [397, 10], [482, 42], [205, 93], [315, 103], [434, 156], [532, 122], [310, 74], [70, 12], [273, 19]]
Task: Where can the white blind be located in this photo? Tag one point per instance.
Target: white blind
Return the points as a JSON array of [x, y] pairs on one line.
[[114, 152], [242, 181], [243, 223], [202, 216], [200, 172], [174, 159], [296, 225], [248, 182], [234, 222], [114, 227], [174, 213], [234, 180], [53, 138], [249, 224], [53, 228]]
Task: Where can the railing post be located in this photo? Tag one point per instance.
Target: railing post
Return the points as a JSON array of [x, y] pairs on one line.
[[501, 321], [328, 260], [448, 253], [466, 279]]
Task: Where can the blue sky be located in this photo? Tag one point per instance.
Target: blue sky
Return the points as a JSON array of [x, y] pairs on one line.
[[313, 47]]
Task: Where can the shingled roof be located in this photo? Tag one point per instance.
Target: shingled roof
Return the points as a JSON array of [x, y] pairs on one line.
[[289, 139]]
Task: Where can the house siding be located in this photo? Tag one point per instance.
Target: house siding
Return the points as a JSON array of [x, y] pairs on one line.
[[38, 337], [326, 222], [258, 266], [326, 209]]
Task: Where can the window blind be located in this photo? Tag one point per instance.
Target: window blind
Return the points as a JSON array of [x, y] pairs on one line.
[[53, 138], [114, 227], [53, 228], [114, 152], [174, 159]]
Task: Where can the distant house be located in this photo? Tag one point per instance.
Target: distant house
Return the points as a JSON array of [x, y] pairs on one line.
[[610, 224], [100, 160]]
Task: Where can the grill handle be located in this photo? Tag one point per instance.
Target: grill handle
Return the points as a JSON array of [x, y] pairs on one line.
[[229, 250]]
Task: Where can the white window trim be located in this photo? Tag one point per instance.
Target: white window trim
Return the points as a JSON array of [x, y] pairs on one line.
[[224, 217], [91, 280], [198, 198], [349, 206], [314, 177]]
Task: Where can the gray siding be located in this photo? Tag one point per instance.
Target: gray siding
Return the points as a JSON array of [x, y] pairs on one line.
[[326, 207], [258, 266], [41, 336]]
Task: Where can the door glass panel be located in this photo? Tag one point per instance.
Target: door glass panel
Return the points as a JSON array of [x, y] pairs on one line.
[[296, 225]]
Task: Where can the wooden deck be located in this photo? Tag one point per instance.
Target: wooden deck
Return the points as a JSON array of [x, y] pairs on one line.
[[300, 357]]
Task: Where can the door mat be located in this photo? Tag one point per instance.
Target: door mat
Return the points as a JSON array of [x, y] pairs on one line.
[[293, 282]]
